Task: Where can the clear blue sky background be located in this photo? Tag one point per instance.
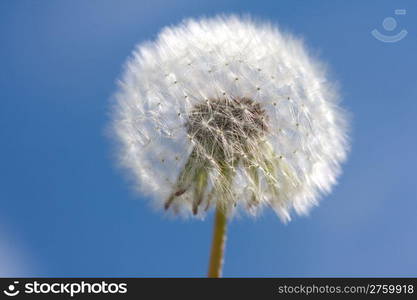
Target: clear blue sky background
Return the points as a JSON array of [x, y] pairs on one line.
[[67, 211]]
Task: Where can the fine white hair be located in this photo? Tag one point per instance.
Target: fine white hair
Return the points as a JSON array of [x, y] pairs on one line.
[[287, 165]]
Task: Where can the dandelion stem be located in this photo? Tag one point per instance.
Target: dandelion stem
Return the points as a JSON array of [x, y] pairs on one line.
[[218, 244]]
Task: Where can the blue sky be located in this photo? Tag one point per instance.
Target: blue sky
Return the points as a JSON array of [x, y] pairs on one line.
[[67, 211]]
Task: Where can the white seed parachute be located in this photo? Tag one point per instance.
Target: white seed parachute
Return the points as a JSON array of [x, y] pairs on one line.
[[232, 113]]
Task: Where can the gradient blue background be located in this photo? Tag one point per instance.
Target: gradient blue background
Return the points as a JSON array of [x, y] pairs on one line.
[[67, 211]]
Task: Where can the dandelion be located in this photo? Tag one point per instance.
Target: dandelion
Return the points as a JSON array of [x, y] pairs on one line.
[[229, 114]]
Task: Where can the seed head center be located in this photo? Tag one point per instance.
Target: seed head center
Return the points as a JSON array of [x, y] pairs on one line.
[[221, 125]]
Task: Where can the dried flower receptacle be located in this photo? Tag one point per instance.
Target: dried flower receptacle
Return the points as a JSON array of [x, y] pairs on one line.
[[224, 131]]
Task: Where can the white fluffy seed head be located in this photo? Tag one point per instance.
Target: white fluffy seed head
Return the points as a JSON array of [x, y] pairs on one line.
[[229, 112]]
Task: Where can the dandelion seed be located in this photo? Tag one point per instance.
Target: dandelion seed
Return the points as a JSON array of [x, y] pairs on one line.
[[241, 152]]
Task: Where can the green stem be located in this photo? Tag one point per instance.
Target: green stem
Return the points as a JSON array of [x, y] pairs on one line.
[[218, 244]]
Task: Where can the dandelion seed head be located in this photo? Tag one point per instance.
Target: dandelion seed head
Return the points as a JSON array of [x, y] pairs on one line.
[[232, 113]]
